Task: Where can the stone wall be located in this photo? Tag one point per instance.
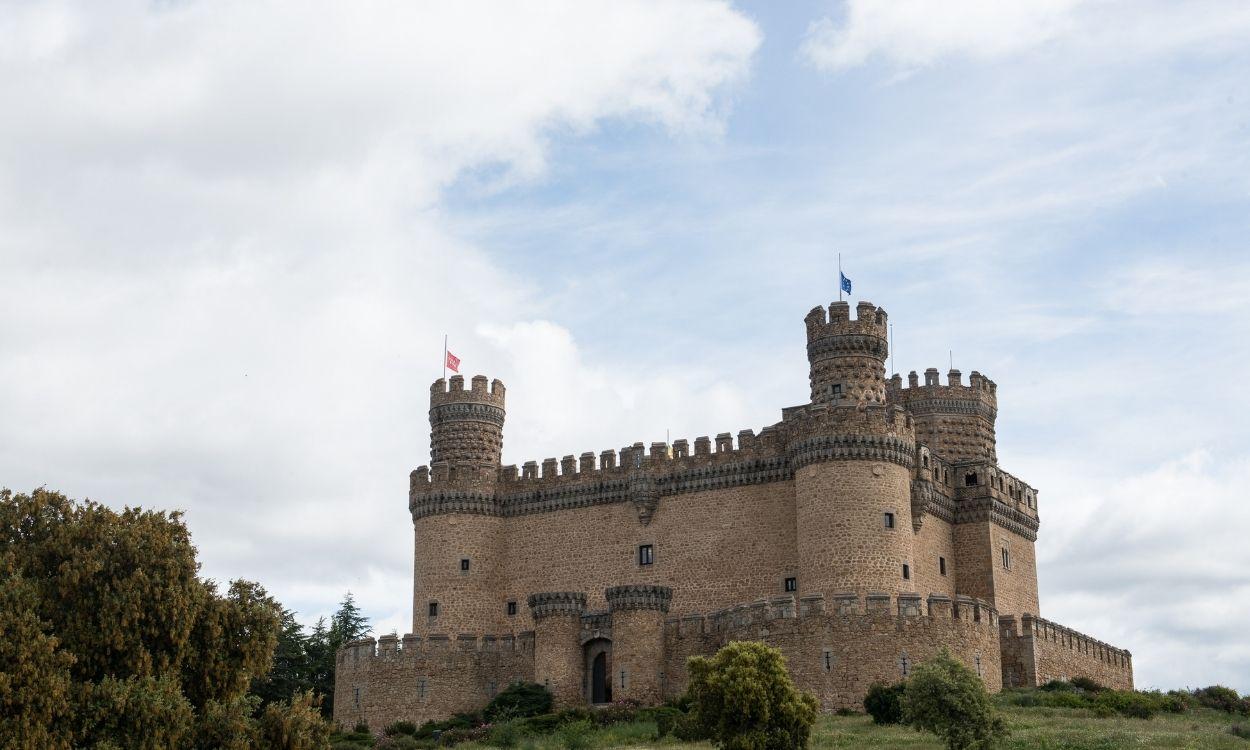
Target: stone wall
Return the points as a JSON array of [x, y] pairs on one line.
[[417, 679], [1036, 651], [836, 648]]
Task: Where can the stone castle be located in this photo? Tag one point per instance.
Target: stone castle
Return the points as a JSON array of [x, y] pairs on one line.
[[862, 533]]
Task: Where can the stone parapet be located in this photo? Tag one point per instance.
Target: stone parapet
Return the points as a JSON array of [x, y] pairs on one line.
[[634, 597], [554, 603]]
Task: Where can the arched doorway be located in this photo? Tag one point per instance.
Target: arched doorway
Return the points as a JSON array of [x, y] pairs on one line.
[[598, 671]]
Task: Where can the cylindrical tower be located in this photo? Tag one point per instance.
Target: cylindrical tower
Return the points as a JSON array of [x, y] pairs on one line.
[[853, 456], [955, 420], [458, 565], [638, 641], [557, 649], [847, 357]]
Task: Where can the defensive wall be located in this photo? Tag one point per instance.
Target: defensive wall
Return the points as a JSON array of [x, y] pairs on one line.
[[1036, 651]]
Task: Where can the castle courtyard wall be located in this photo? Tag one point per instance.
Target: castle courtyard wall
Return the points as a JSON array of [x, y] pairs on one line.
[[1036, 651]]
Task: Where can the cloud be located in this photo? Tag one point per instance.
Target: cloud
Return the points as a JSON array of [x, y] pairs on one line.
[[227, 272]]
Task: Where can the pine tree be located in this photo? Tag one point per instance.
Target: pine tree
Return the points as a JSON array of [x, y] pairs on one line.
[[348, 624], [292, 670]]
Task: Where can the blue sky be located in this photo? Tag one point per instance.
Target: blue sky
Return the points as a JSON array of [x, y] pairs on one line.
[[233, 238]]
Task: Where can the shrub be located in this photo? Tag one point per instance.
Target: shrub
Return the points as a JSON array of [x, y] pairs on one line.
[[360, 728], [666, 719], [884, 703], [1222, 699], [1058, 686], [507, 733], [1128, 703], [1086, 684], [617, 712], [451, 737], [519, 700], [544, 724], [743, 699], [400, 727], [575, 735], [948, 699], [1237, 730]]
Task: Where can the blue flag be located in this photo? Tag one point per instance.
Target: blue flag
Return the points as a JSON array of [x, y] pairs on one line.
[[846, 283]]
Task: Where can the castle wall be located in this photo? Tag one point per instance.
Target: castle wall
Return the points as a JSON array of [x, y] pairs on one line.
[[837, 649], [935, 540], [711, 548], [1036, 651], [468, 601], [418, 679], [1015, 588]]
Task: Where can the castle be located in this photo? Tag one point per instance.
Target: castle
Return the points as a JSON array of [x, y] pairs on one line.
[[862, 533]]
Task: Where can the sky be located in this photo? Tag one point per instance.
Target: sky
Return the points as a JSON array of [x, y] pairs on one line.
[[233, 235]]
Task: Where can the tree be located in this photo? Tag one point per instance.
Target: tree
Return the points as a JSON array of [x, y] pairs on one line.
[[947, 698], [110, 638], [348, 624], [292, 670], [743, 699]]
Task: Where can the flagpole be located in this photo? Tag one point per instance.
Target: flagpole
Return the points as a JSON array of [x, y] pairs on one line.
[[892, 370], [839, 277], [444, 356]]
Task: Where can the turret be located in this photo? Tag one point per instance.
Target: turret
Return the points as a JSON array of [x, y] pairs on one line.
[[466, 425], [955, 420], [847, 357]]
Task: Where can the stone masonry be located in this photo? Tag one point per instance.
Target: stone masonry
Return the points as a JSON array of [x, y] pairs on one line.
[[860, 534]]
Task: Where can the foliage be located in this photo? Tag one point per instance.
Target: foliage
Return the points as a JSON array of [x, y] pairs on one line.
[[1222, 699], [294, 725], [292, 670], [743, 699], [506, 733], [399, 727], [666, 720], [576, 735], [945, 697], [112, 639], [884, 703], [1087, 684], [617, 712], [1238, 730], [519, 700]]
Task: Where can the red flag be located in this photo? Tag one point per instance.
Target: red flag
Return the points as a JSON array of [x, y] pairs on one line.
[[453, 362]]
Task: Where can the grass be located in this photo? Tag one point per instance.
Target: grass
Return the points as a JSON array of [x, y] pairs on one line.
[[1031, 729]]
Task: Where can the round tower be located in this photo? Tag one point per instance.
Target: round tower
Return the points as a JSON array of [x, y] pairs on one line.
[[955, 420], [847, 357], [458, 563], [852, 455]]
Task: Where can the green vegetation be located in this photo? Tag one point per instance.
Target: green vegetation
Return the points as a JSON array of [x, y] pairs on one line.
[[884, 703], [946, 698]]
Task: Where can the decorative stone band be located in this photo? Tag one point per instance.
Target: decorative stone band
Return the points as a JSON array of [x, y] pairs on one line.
[[466, 412], [975, 407], [841, 345], [758, 471], [852, 448], [999, 513], [453, 501], [551, 603], [622, 598]]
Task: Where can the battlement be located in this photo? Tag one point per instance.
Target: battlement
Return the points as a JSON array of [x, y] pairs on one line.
[[979, 388], [985, 479], [452, 391], [847, 607], [394, 648], [869, 320], [1042, 629]]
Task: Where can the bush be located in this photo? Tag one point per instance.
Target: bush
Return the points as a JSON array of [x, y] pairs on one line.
[[1086, 684], [507, 733], [1128, 703], [1222, 699], [400, 727], [451, 737], [617, 712], [743, 699], [884, 703], [1237, 730], [519, 700], [1058, 686], [575, 735], [665, 718], [948, 699]]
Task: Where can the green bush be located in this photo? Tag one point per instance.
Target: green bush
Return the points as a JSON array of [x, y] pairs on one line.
[[400, 727], [884, 703], [743, 699], [617, 712], [1087, 684], [1222, 699], [1237, 730], [665, 718], [1128, 703], [948, 699], [544, 724], [1058, 686], [519, 700], [451, 737], [576, 735], [507, 733]]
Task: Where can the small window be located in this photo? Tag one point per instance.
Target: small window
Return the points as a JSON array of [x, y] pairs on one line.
[[792, 584], [888, 519], [836, 390], [464, 565], [925, 458], [942, 565], [1006, 558], [970, 479], [512, 609], [646, 554], [906, 572], [433, 609]]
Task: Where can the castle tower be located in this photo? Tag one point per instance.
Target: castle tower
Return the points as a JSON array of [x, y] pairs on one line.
[[955, 420], [847, 357], [638, 640], [853, 456], [458, 528], [557, 648]]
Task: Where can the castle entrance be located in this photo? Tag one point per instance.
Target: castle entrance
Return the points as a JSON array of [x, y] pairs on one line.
[[598, 671]]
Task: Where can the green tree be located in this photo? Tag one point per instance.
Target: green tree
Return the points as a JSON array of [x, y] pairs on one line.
[[743, 699], [114, 639], [947, 698], [292, 670], [348, 623]]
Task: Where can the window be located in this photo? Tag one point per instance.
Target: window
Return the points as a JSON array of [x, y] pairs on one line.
[[888, 519], [906, 572], [942, 565], [464, 565], [646, 554], [1006, 558], [925, 459], [970, 479], [836, 390], [433, 609], [792, 584], [512, 609]]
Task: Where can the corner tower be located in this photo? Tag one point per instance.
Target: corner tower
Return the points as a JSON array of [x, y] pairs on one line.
[[457, 524], [955, 420], [847, 357]]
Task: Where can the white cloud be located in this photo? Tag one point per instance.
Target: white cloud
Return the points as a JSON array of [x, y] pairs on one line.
[[226, 272]]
